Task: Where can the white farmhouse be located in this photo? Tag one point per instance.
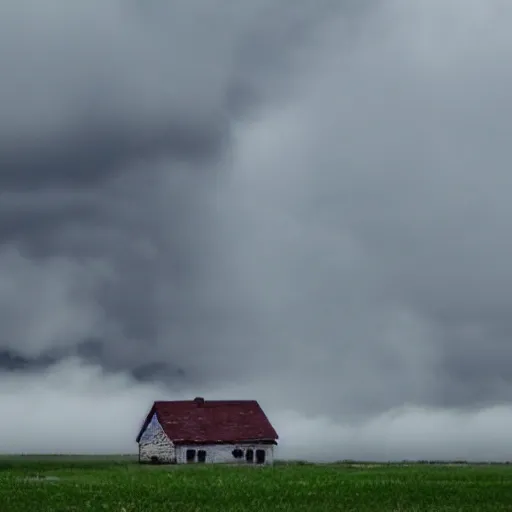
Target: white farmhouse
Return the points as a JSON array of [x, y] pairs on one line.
[[196, 431]]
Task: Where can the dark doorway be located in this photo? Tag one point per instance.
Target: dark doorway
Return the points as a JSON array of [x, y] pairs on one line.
[[191, 455], [249, 455], [201, 456], [260, 456]]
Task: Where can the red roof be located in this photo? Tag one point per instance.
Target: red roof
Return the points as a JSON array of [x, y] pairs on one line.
[[212, 421]]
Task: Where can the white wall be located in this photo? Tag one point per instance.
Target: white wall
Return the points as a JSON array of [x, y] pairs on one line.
[[154, 443], [219, 453]]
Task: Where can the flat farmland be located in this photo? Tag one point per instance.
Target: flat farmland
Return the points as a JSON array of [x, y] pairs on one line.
[[54, 484]]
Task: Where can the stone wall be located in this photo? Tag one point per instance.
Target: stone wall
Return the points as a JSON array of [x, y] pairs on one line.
[[223, 453], [154, 445]]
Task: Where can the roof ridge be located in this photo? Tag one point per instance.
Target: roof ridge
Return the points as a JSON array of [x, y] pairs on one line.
[[205, 401]]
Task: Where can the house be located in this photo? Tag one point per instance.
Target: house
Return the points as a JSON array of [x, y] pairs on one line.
[[195, 431]]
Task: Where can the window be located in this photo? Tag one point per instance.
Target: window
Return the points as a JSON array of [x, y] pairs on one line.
[[191, 455], [249, 455], [260, 456], [201, 456], [237, 453]]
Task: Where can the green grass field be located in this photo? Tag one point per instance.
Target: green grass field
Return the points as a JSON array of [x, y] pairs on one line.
[[53, 484]]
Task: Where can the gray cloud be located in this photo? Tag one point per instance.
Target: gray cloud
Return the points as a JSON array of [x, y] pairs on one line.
[[306, 205]]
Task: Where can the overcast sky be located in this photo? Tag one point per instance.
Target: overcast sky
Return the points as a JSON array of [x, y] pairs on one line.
[[303, 203]]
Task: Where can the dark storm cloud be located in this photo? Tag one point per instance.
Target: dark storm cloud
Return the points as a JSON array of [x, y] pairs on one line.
[[90, 88], [384, 254], [96, 150], [301, 203], [115, 136]]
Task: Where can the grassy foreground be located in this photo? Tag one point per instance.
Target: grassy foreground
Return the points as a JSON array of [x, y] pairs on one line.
[[55, 484]]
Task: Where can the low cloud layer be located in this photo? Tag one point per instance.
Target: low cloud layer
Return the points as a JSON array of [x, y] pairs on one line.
[[301, 204], [76, 408]]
